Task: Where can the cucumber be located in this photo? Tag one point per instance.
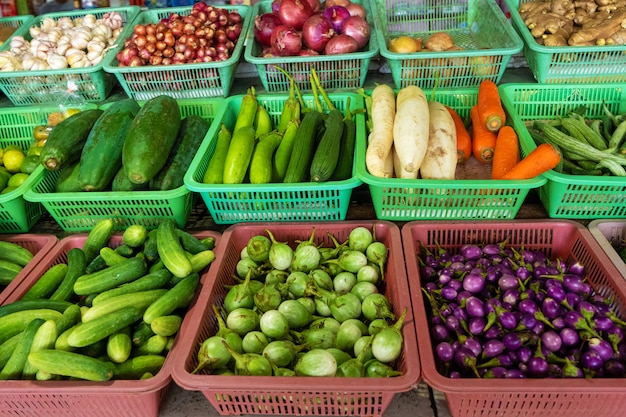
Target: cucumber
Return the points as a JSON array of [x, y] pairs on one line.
[[302, 152], [150, 249], [66, 140], [141, 333], [166, 325], [214, 173], [96, 264], [8, 347], [14, 323], [192, 131], [110, 277], [171, 251], [12, 252], [239, 155], [101, 156], [15, 365], [134, 236], [102, 327], [151, 281], [261, 163], [343, 170], [150, 138], [140, 300], [122, 183], [201, 260], [327, 152], [119, 346], [62, 341], [135, 367], [70, 317], [191, 243], [76, 266], [21, 305], [98, 238], [178, 296], [67, 182], [70, 364], [47, 283], [155, 345], [8, 271], [44, 338], [111, 257]]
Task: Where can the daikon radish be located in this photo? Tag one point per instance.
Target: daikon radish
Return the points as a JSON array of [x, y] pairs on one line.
[[441, 156], [389, 162], [380, 138], [411, 129]]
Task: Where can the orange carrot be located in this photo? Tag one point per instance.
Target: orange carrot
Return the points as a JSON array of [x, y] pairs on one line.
[[543, 158], [483, 140], [490, 106], [463, 138], [506, 153]]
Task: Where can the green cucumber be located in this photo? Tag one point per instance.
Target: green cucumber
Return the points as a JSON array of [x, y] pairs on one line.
[[101, 156], [70, 364], [192, 131], [343, 170], [141, 333], [150, 138], [12, 252], [8, 347], [111, 257], [155, 345], [119, 346], [98, 237], [8, 271], [171, 251], [201, 260], [15, 365], [166, 325], [76, 265], [151, 281], [21, 305], [214, 173], [67, 182], [70, 317], [140, 300], [134, 236], [135, 367], [62, 341], [96, 264], [150, 249], [110, 277], [47, 284], [44, 338], [327, 152], [122, 183], [191, 243], [102, 327], [66, 140], [14, 323], [178, 296], [303, 148]]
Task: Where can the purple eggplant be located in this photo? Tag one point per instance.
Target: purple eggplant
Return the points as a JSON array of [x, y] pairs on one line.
[[551, 340], [493, 348], [471, 252], [602, 347], [475, 307], [444, 351], [473, 282]]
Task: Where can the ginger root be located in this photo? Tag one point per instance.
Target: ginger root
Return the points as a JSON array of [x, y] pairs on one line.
[[439, 41]]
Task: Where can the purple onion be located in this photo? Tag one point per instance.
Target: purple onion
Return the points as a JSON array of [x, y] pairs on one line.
[[337, 15]]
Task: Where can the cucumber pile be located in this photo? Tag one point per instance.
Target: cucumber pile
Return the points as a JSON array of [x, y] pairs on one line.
[[104, 312], [13, 258]]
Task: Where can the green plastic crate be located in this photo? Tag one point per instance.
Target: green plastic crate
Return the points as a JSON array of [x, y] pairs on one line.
[[91, 84], [402, 199], [80, 211], [479, 27], [564, 195], [346, 71], [280, 202], [182, 81], [17, 215], [15, 22], [569, 64]]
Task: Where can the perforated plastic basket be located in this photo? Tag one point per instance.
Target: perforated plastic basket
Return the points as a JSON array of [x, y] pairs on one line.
[[137, 398], [569, 64], [611, 234], [306, 201], [478, 27], [181, 81], [564, 195], [236, 395], [408, 199], [341, 72], [79, 211], [14, 22], [38, 244], [530, 397], [45, 87]]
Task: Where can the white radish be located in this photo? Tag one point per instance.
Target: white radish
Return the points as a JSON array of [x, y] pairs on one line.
[[380, 138], [441, 155], [411, 130]]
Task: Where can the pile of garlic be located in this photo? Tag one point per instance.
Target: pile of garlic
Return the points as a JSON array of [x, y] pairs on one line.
[[64, 43]]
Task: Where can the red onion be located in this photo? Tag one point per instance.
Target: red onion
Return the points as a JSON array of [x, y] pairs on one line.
[[264, 24], [308, 52], [294, 12], [330, 3], [358, 28], [316, 32], [286, 41], [275, 6], [315, 5], [200, 6], [341, 44], [356, 9], [337, 15]]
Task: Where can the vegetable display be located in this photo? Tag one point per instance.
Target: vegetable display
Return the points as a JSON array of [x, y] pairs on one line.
[[501, 312], [108, 309], [299, 309]]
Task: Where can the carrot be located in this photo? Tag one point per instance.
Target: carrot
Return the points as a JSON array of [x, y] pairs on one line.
[[380, 138], [506, 153], [543, 158], [463, 138], [483, 140], [490, 106]]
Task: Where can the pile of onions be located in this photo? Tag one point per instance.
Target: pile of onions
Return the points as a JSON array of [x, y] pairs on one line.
[[306, 27], [207, 34]]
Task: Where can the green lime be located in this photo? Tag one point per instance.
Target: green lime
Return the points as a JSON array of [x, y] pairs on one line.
[[8, 190], [3, 181], [17, 179], [29, 164]]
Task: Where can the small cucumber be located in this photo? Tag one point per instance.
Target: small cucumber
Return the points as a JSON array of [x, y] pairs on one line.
[[140, 300], [70, 317], [98, 238], [170, 249], [47, 284], [62, 341], [119, 346], [151, 281], [261, 163], [155, 345], [15, 365], [76, 266], [239, 155], [302, 152], [201, 260], [14, 323], [70, 364], [111, 257], [150, 250], [96, 264], [8, 271], [8, 347], [135, 367], [191, 243], [141, 333], [134, 235], [214, 173], [166, 325], [95, 330], [44, 338], [110, 277], [176, 297], [22, 305], [12, 252]]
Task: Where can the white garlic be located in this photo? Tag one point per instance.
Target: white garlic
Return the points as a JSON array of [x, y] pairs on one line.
[[62, 48], [80, 39], [73, 58], [89, 20], [28, 61], [34, 31], [17, 44], [47, 23], [40, 65], [65, 22], [102, 30], [56, 61], [94, 58], [113, 20]]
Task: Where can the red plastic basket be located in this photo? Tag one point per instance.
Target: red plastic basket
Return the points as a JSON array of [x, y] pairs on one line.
[[610, 234], [549, 397], [137, 398], [38, 244], [275, 395]]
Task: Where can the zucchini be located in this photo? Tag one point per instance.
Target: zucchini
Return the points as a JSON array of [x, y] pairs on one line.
[[110, 277], [302, 152], [12, 252], [239, 155], [47, 283], [98, 238], [343, 171], [140, 300], [119, 346], [70, 364], [15, 365], [327, 152], [121, 182], [44, 338], [14, 323], [150, 138], [135, 367], [214, 173], [192, 131], [261, 163], [151, 281], [171, 251], [22, 305], [166, 325], [8, 271], [66, 140], [67, 182], [102, 327], [283, 152], [247, 110], [101, 156], [76, 266], [178, 296]]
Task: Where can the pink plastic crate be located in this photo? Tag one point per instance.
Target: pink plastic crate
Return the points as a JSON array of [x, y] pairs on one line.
[[608, 233], [38, 244], [137, 398], [236, 395], [552, 397]]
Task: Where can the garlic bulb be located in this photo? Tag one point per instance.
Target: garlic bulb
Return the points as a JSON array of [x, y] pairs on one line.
[[89, 21], [34, 31], [17, 44], [80, 38], [96, 46], [113, 20], [75, 57], [56, 61], [62, 47], [53, 35], [94, 57], [40, 65], [65, 23], [28, 62], [102, 30], [47, 23]]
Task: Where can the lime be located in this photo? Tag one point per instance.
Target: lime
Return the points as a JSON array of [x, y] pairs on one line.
[[4, 179], [30, 163], [8, 190], [17, 179], [12, 148], [13, 159]]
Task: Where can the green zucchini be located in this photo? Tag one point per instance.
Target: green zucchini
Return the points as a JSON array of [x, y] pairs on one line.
[[15, 365], [70, 364], [140, 300], [214, 173], [102, 327], [12, 252], [171, 251], [327, 152], [119, 346], [135, 367], [66, 140], [284, 150], [47, 284], [150, 138], [192, 131], [98, 237], [178, 296], [76, 266], [247, 110], [343, 171], [110, 277], [101, 157], [67, 181], [151, 281], [303, 148]]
